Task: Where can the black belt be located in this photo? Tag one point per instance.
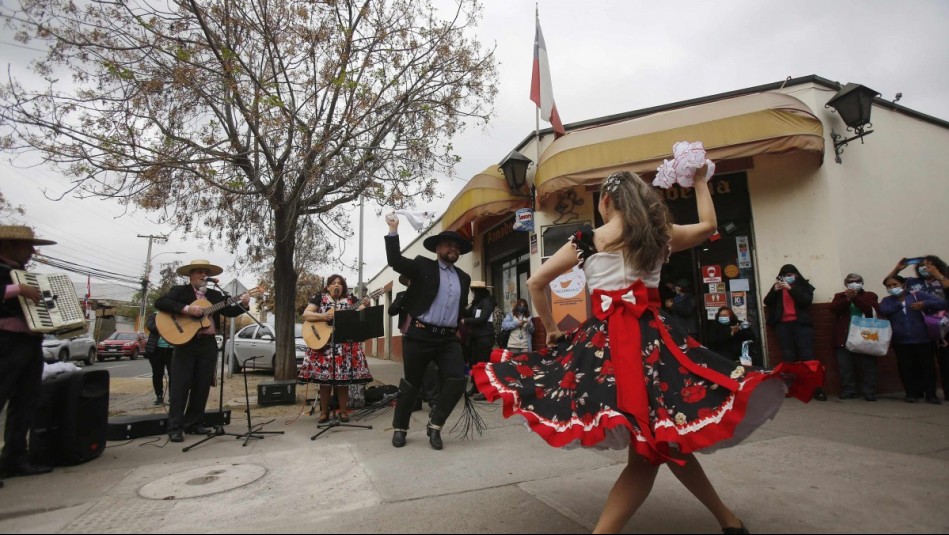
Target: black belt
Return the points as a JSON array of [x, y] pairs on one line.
[[434, 329]]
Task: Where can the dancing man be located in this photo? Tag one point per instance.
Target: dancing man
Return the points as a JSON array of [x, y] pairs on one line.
[[435, 299]]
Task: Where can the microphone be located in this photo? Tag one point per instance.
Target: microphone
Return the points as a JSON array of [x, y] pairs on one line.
[[211, 279]]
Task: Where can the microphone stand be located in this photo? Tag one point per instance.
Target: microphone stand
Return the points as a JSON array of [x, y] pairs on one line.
[[218, 429], [253, 431]]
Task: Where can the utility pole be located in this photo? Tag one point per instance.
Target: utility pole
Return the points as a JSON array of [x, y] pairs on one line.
[[148, 269], [362, 290]]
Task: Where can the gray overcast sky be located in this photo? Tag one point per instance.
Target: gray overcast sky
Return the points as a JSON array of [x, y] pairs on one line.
[[606, 57]]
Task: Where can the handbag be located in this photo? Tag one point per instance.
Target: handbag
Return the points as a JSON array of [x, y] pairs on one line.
[[869, 336], [937, 324]]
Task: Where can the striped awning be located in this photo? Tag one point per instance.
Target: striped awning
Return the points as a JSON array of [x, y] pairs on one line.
[[486, 194], [761, 123]]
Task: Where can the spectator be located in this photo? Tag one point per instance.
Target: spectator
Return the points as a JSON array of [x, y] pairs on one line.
[[682, 306], [726, 335], [788, 302], [518, 323], [854, 301], [478, 321], [911, 343]]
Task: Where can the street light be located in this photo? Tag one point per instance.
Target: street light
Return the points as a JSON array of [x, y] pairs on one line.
[[853, 102], [148, 269]]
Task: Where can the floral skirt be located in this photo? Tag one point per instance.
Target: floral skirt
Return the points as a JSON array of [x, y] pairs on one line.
[[350, 366], [697, 399]]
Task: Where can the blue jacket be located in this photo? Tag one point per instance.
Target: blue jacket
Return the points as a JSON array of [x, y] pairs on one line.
[[909, 327]]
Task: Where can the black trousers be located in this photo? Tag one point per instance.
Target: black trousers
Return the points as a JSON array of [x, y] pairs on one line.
[[192, 372], [160, 359], [917, 368], [420, 349], [21, 373], [796, 340]]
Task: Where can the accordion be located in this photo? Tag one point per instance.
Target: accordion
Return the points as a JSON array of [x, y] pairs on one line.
[[58, 309]]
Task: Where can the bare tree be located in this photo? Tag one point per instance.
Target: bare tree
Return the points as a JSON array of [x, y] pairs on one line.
[[245, 121]]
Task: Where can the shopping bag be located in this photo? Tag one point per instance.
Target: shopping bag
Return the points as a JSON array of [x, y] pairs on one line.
[[869, 336]]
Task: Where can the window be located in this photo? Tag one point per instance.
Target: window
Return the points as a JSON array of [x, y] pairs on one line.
[[247, 332], [555, 236]]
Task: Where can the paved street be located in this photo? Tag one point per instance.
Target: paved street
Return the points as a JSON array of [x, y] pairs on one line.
[[835, 467]]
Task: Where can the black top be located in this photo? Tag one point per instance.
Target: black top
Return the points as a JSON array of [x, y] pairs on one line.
[[424, 275]]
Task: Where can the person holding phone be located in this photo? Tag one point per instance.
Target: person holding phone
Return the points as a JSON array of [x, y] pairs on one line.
[[788, 303]]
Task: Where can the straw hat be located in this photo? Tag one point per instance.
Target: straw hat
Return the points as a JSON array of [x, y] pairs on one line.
[[479, 284], [213, 270], [21, 233]]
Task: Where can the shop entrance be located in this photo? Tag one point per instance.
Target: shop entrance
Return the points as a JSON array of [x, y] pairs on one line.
[[721, 271], [508, 258]]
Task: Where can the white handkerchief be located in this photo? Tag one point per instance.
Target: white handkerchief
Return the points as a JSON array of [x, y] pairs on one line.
[[687, 158], [416, 219]]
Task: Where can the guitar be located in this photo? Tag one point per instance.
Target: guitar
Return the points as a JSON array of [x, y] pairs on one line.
[[179, 328], [317, 334]]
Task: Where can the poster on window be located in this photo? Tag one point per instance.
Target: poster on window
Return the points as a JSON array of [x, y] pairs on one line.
[[711, 274], [744, 252], [569, 301], [740, 305]]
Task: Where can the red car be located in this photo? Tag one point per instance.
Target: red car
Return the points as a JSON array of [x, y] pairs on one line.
[[122, 344]]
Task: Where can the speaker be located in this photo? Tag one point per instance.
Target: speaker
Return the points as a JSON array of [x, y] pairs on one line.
[[277, 393], [216, 417], [71, 421], [137, 426]]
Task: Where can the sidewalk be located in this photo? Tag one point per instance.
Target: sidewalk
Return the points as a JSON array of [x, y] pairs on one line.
[[834, 467]]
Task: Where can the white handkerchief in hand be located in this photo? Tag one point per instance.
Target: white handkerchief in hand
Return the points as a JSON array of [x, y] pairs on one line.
[[416, 219], [687, 158]]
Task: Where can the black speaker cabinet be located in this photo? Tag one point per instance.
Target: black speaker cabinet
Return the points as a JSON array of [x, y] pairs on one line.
[[277, 393], [72, 418]]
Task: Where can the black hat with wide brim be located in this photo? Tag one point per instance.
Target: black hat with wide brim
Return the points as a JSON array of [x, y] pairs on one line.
[[431, 242]]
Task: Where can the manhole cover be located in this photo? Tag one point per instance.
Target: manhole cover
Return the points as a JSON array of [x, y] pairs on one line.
[[202, 482]]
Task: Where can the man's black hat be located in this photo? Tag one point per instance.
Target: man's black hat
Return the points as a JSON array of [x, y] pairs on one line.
[[464, 246]]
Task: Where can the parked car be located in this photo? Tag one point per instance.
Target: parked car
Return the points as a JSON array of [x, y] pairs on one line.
[[122, 344], [256, 341], [74, 348]]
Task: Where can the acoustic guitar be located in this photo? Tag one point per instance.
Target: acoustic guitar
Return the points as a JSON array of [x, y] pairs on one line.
[[179, 328], [317, 334]]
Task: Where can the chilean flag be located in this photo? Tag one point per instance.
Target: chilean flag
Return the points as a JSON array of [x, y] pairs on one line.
[[541, 91]]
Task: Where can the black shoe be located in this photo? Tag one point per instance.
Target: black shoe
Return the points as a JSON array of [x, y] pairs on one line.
[[176, 436], [850, 395], [933, 400], [911, 399], [870, 397], [398, 438], [25, 469], [160, 400], [435, 437], [819, 395], [197, 430], [735, 531]]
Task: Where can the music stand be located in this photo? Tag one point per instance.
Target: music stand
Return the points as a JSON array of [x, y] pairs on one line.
[[351, 326]]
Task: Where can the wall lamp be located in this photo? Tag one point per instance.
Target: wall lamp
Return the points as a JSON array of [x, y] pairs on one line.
[[514, 166], [853, 102]]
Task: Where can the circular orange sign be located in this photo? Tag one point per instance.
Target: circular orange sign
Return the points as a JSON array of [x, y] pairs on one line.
[[731, 271]]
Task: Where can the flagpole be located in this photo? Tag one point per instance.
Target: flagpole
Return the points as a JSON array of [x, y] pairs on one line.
[[537, 109]]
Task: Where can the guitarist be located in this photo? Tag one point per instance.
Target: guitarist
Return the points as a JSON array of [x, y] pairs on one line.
[[192, 367]]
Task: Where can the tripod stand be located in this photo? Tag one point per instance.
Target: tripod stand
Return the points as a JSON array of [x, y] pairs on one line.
[[350, 326], [218, 429], [253, 431]]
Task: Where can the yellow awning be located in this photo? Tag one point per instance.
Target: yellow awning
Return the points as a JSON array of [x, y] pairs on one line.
[[762, 123], [486, 194]]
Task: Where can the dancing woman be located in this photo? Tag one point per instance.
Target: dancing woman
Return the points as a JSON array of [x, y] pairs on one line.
[[628, 376]]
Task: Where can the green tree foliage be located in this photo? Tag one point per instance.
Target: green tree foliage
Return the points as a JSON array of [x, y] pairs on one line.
[[250, 122]]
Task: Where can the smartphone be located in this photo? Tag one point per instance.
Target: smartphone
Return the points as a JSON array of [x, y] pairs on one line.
[[913, 261]]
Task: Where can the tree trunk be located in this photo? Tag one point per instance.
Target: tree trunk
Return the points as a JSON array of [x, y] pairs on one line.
[[285, 289]]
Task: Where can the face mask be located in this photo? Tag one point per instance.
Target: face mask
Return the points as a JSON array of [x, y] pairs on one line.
[[923, 272], [790, 279], [896, 291], [724, 320], [854, 286]]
